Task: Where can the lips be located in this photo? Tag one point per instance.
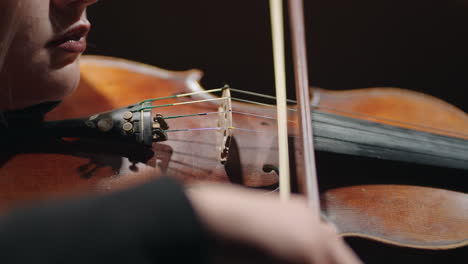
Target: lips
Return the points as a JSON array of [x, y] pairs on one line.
[[73, 40]]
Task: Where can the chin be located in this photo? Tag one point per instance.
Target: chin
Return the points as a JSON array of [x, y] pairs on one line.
[[63, 82]]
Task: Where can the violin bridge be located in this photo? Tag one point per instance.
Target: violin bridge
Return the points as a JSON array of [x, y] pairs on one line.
[[225, 125]]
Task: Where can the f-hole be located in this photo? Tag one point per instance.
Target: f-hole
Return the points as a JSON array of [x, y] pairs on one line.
[[233, 164], [269, 168]]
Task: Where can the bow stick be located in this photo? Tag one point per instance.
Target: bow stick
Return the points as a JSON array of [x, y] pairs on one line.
[[305, 157]]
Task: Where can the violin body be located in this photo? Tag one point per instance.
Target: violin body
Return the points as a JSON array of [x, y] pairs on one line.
[[408, 216]]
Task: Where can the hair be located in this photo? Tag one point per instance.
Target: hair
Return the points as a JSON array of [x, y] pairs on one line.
[[6, 36]]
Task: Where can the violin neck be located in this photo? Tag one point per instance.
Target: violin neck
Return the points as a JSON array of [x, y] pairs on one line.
[[352, 136]]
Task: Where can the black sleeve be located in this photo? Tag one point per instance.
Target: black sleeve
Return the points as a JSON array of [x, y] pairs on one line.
[[153, 223]]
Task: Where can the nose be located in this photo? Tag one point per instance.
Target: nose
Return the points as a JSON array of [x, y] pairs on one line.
[[66, 12], [73, 3]]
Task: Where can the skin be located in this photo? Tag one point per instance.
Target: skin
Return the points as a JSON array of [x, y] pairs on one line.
[[31, 72]]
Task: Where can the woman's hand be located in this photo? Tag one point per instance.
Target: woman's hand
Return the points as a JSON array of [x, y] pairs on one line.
[[288, 231]]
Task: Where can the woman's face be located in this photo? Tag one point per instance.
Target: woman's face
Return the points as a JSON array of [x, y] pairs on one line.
[[40, 43]]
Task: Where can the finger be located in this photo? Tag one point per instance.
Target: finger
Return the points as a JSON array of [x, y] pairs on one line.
[[343, 254], [333, 250]]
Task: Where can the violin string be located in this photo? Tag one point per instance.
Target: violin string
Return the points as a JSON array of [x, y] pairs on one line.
[[260, 116], [191, 115], [343, 111], [209, 92], [197, 129], [221, 112], [261, 95], [181, 103], [339, 110], [273, 106], [258, 103], [236, 128], [181, 95], [212, 128]]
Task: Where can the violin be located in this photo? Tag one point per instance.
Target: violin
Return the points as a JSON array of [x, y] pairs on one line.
[[127, 117], [190, 144]]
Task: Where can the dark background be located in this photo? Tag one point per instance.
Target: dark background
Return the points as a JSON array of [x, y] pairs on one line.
[[420, 45]]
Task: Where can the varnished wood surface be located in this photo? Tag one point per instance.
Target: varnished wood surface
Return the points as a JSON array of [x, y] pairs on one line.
[[397, 107], [413, 216]]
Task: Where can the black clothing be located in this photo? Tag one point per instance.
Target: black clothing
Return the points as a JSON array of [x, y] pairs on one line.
[[153, 223], [22, 121], [27, 116]]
